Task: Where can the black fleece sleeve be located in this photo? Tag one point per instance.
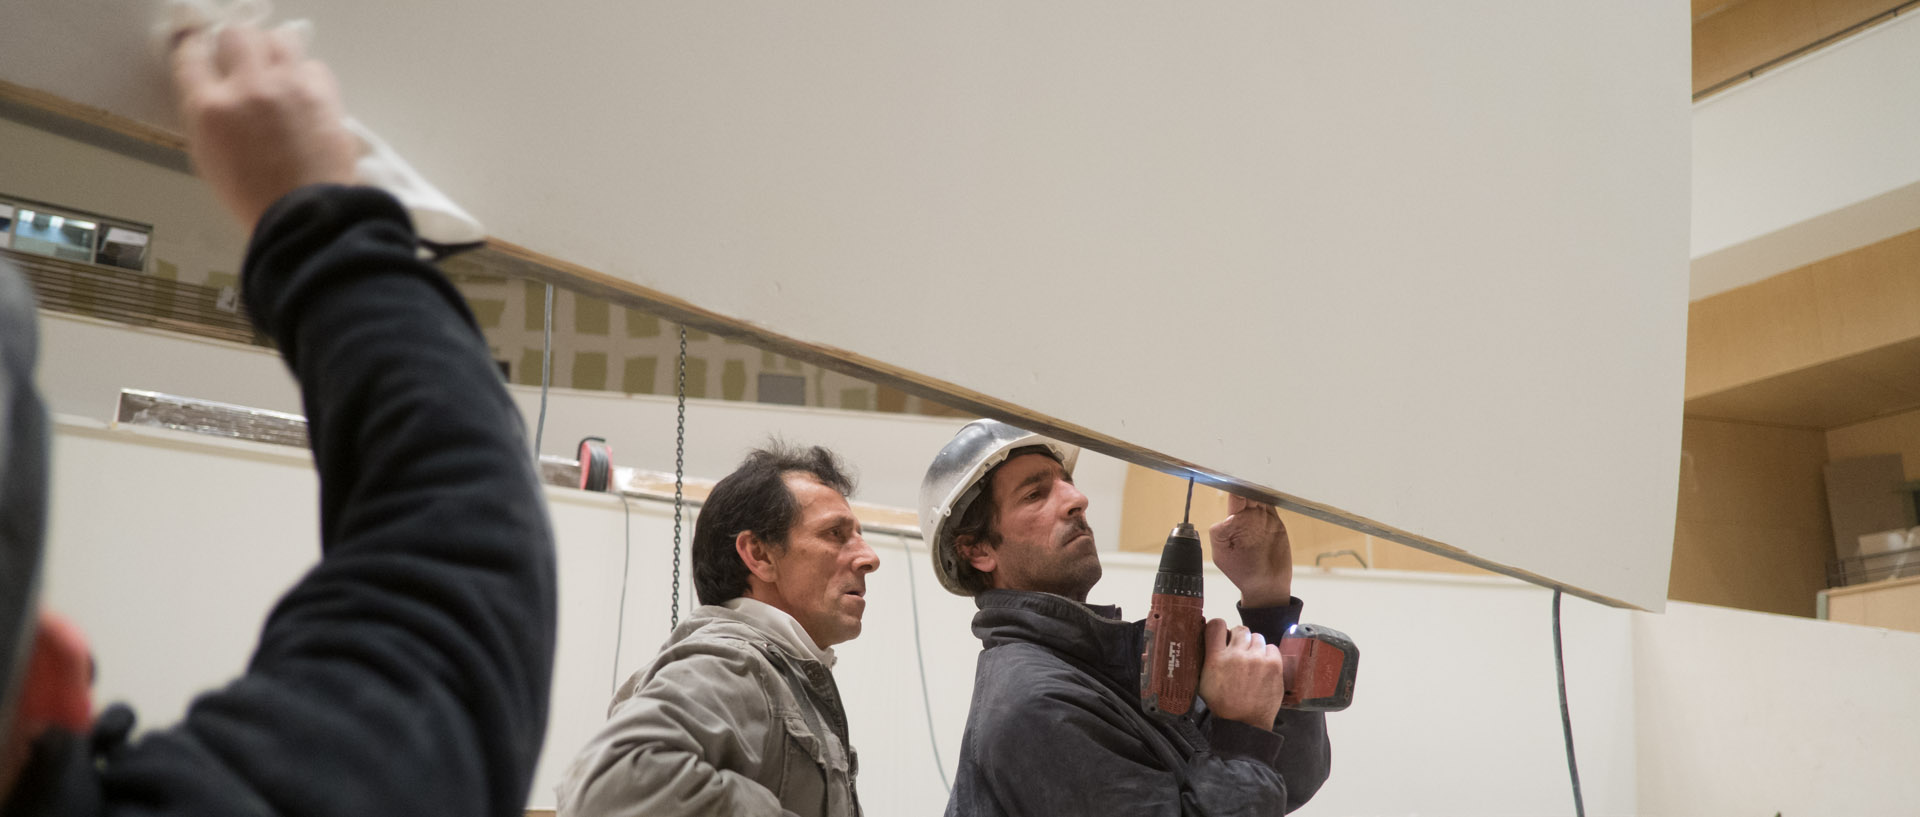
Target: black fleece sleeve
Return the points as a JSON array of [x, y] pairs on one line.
[[1297, 747], [408, 672]]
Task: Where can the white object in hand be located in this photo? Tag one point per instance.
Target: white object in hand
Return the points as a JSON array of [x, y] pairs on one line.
[[441, 224]]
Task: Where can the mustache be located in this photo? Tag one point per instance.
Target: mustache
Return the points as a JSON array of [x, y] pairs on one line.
[[1075, 530]]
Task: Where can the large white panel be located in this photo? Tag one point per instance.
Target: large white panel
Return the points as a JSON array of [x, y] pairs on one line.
[[1455, 232]]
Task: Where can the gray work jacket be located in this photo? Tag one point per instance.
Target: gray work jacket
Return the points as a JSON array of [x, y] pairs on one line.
[[731, 719]]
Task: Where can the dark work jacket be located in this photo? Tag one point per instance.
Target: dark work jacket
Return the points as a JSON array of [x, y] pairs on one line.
[[1056, 726], [407, 673]]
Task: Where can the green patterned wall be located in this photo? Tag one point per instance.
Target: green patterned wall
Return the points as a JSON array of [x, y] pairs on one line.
[[602, 347]]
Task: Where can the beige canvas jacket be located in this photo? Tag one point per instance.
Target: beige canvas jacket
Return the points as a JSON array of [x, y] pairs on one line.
[[737, 715]]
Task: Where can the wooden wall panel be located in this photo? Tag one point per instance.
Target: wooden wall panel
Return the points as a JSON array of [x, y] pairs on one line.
[[1751, 333], [1732, 38], [1752, 526], [1834, 393], [1896, 434], [1702, 8], [1893, 604], [1848, 609], [1845, 305]]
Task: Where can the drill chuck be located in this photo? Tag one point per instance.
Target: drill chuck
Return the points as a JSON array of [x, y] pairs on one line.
[[1180, 563]]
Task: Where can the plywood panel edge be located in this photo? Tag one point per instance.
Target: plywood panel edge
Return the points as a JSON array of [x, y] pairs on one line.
[[502, 257], [88, 115], [1736, 41]]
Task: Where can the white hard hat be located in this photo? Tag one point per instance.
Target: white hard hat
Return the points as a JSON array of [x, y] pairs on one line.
[[953, 482]]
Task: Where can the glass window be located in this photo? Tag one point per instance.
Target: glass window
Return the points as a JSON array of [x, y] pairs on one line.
[[45, 233], [124, 248], [75, 236]]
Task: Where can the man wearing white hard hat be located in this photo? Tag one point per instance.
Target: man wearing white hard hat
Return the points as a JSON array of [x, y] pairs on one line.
[[1056, 725]]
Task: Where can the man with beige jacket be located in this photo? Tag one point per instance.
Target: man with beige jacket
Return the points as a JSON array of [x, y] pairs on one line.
[[739, 713]]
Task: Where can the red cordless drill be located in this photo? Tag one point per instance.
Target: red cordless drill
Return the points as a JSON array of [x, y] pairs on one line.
[[1321, 663], [1176, 626]]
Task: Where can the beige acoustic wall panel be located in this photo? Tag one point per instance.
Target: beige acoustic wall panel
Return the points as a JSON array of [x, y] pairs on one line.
[[1420, 267]]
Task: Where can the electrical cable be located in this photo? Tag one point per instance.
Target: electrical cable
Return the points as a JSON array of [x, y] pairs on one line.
[[620, 622], [1566, 720], [926, 699], [1335, 554], [546, 376], [679, 475]]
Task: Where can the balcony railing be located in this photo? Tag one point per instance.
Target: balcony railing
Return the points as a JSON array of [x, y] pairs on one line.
[[136, 298], [1873, 567]]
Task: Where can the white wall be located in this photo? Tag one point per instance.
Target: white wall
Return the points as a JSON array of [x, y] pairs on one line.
[[1808, 160], [85, 362], [1456, 224], [170, 549], [1749, 713]]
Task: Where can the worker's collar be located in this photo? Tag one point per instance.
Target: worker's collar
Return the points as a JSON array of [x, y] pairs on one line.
[[782, 627], [1094, 634]]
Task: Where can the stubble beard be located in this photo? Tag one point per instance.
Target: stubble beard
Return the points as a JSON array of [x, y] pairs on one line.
[[1062, 570]]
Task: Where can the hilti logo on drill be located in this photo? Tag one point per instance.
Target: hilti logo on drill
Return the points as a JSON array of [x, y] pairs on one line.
[[1173, 658]]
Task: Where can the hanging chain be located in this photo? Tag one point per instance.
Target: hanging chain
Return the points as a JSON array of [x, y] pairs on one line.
[[679, 473], [546, 377]]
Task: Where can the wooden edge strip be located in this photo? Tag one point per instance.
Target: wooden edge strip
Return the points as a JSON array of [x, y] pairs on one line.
[[1868, 587], [88, 115], [1774, 62]]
